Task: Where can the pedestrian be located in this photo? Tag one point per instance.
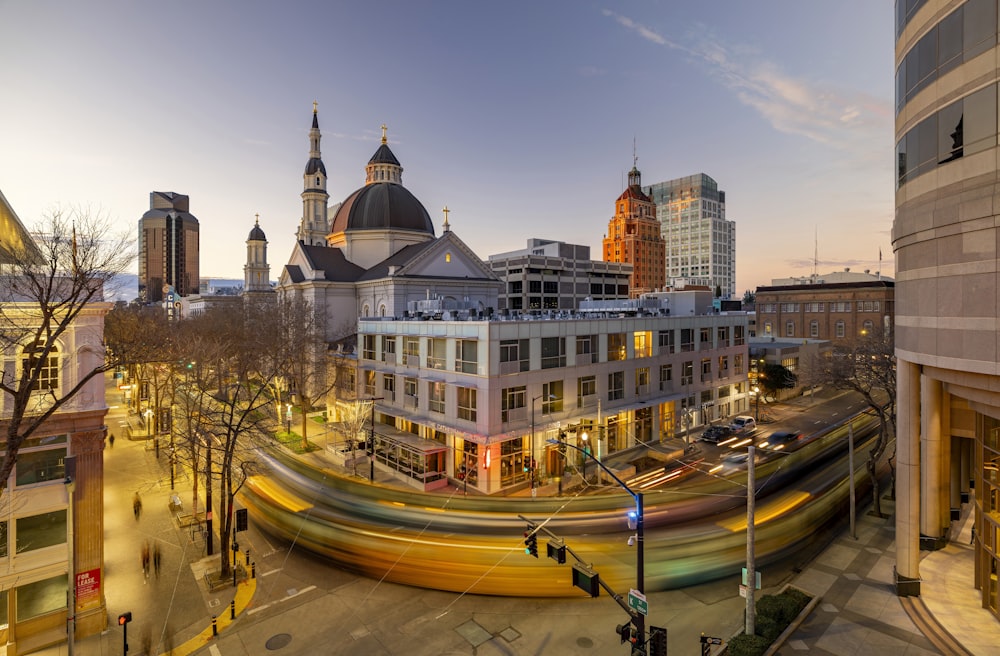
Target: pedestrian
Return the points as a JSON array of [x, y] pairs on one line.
[[145, 560], [136, 505], [156, 559], [111, 440], [973, 540]]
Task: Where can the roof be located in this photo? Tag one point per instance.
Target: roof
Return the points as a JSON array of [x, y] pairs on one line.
[[331, 261], [384, 156], [382, 206], [634, 192], [256, 234], [399, 258]]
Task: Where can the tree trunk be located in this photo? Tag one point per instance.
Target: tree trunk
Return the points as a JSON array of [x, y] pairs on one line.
[[208, 500], [305, 438]]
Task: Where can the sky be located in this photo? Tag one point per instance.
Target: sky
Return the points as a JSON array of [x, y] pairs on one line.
[[521, 116]]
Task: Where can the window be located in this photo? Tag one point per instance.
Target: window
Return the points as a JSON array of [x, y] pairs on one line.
[[40, 531], [687, 372], [738, 364], [3, 554], [47, 365], [435, 396], [552, 397], [553, 352], [814, 328], [704, 338], [723, 336], [586, 349], [467, 403], [369, 383], [840, 329], [411, 351], [789, 307], [437, 353], [616, 385], [867, 327], [389, 349], [40, 466], [410, 391], [389, 387], [534, 286], [706, 369], [368, 347], [616, 347], [789, 329], [723, 366], [666, 377], [41, 597], [767, 327], [687, 339], [550, 287], [642, 343], [641, 381], [466, 356], [512, 404], [513, 356], [666, 341], [738, 335], [515, 286], [586, 389]]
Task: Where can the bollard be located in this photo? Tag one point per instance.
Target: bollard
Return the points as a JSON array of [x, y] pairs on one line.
[[253, 570], [232, 609], [248, 556], [215, 628]]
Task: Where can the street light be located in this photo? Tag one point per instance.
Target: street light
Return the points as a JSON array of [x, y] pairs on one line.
[[288, 418], [371, 442], [638, 618], [756, 395]]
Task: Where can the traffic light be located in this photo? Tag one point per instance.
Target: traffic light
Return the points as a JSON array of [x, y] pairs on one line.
[[627, 633], [586, 579], [531, 541], [657, 641], [124, 618], [556, 550]]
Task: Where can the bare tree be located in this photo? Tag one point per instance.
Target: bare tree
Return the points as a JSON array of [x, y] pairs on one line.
[[46, 290], [354, 418], [867, 366]]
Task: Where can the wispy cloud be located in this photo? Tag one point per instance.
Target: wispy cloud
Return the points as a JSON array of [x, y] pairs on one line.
[[791, 105]]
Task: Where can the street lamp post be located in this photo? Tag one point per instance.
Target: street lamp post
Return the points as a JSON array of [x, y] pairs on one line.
[[640, 575], [288, 418], [371, 442], [756, 396]]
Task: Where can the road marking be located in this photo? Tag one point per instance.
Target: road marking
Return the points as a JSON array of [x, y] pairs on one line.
[[214, 650], [286, 598], [269, 573]]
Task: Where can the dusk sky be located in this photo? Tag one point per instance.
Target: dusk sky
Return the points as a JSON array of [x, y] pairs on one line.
[[519, 116]]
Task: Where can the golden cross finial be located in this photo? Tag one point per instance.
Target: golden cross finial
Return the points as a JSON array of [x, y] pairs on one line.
[[446, 210], [383, 133], [256, 218], [315, 105]]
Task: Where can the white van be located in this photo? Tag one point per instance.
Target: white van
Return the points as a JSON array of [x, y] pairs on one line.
[[743, 424]]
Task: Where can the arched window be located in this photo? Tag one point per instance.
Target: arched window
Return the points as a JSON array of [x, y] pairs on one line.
[[47, 365], [365, 310], [381, 310]]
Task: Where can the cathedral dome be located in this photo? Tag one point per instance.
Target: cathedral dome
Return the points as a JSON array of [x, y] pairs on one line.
[[256, 234], [382, 206]]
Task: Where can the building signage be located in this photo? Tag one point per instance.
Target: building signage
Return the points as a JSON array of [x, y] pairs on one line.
[[88, 586]]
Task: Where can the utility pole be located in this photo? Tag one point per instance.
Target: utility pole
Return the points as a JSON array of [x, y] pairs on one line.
[[751, 610]]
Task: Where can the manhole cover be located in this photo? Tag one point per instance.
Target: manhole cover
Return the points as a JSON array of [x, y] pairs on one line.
[[278, 641], [584, 643]]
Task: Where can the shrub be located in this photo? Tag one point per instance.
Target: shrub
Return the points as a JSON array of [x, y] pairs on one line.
[[746, 645]]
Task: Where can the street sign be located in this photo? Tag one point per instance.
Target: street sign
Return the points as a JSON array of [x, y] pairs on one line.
[[743, 591], [709, 640], [757, 577], [637, 602]]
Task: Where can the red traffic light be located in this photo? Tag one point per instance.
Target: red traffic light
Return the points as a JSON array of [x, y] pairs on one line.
[[124, 618]]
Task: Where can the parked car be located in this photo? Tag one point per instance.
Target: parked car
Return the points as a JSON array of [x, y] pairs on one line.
[[743, 425], [716, 433]]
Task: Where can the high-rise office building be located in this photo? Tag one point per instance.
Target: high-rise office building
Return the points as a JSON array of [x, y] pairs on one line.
[[634, 238], [945, 237], [168, 247], [701, 243]]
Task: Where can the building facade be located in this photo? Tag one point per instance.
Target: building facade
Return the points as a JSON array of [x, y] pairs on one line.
[[945, 238], [700, 241], [838, 312], [554, 275], [168, 248], [634, 238], [476, 401], [52, 509]]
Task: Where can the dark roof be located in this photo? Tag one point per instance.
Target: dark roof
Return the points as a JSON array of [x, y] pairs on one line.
[[829, 286], [333, 264], [294, 272], [384, 156], [399, 258], [315, 164], [634, 191], [381, 206], [256, 234]]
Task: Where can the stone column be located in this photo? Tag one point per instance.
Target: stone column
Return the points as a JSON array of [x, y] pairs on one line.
[[907, 569], [931, 482], [88, 530]]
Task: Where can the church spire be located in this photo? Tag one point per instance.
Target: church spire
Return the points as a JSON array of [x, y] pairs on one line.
[[313, 226]]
